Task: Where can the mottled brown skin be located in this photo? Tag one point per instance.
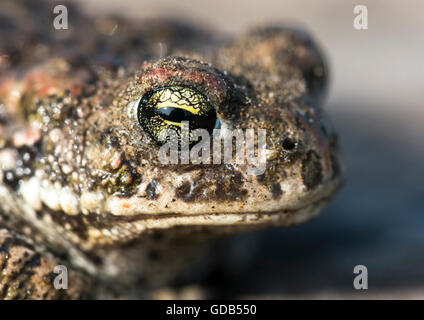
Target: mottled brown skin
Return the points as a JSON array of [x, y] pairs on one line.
[[80, 181], [28, 275]]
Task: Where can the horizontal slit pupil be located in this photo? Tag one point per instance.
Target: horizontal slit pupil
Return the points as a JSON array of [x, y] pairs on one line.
[[174, 114]]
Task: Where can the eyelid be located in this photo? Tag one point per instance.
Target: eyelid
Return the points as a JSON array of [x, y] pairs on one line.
[[132, 108]]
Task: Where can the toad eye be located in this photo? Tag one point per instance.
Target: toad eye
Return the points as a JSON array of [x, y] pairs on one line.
[[165, 108]]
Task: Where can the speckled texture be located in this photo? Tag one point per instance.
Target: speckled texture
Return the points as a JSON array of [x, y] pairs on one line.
[[80, 173]]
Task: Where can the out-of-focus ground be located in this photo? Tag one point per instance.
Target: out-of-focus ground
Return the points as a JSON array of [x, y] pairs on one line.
[[376, 103]]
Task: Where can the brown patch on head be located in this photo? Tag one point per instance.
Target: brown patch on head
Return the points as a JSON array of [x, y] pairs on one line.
[[184, 191], [334, 152], [224, 186], [151, 190], [311, 170], [276, 191]]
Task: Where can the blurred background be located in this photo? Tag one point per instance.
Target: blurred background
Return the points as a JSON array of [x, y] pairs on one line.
[[376, 103]]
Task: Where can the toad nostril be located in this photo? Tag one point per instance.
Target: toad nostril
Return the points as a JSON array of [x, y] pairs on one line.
[[288, 144]]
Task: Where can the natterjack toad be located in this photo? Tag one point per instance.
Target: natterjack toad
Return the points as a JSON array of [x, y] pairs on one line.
[[82, 182]]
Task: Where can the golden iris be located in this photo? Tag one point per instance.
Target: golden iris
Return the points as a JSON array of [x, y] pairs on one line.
[[165, 108]]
